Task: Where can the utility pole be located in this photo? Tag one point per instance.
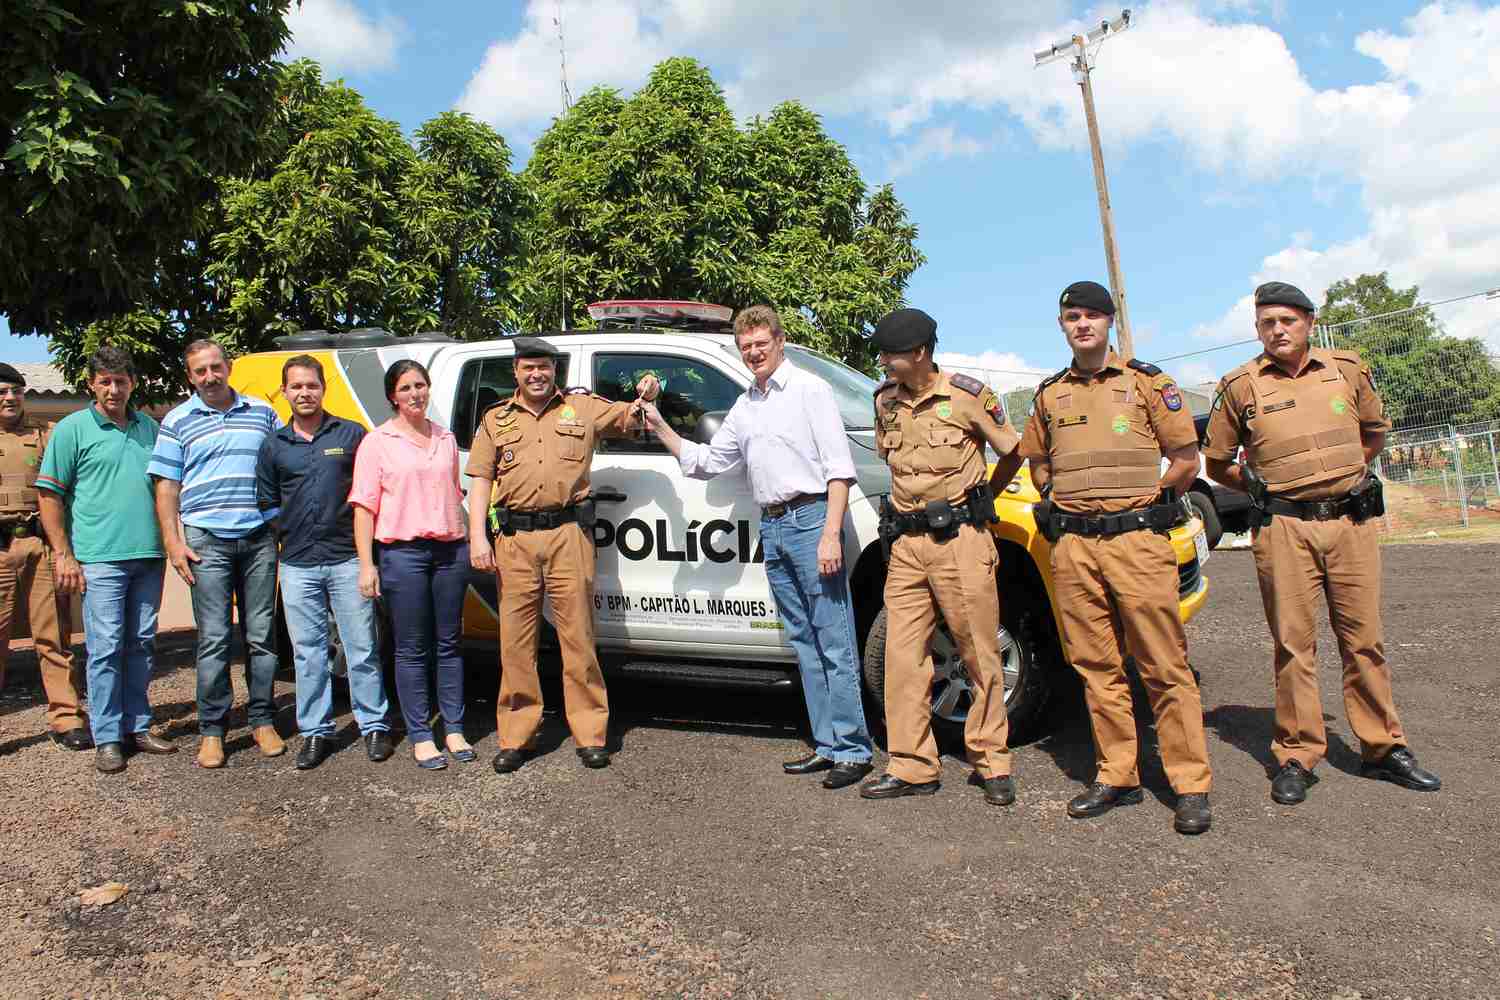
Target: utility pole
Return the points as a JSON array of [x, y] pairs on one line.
[[567, 103], [1077, 49]]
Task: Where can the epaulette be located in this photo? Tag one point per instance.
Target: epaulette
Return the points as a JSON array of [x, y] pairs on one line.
[[967, 383], [1046, 382], [1143, 367], [882, 387], [1237, 373]]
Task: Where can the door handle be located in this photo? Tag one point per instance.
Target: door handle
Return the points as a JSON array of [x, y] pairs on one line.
[[609, 495]]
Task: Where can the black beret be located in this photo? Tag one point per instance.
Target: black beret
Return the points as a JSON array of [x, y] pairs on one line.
[[534, 347], [1087, 295], [9, 374], [1279, 293], [904, 330]]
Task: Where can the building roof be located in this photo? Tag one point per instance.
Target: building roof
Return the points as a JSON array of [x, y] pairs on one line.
[[45, 380]]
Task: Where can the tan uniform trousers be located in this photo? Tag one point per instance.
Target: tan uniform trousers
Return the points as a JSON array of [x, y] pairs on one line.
[[1297, 561], [1125, 587], [26, 570], [956, 578], [560, 563]]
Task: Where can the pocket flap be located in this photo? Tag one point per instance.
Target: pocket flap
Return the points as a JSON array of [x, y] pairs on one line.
[[509, 437], [570, 430], [945, 436], [890, 440]]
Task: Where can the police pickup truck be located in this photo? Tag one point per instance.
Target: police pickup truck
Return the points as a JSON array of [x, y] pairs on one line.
[[681, 593]]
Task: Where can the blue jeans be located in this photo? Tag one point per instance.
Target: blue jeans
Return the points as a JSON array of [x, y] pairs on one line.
[[311, 595], [120, 602], [234, 571], [424, 583], [818, 615]]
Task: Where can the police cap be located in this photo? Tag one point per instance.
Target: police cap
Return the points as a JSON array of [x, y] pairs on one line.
[[1087, 295], [9, 374], [1279, 293], [535, 347], [905, 330]]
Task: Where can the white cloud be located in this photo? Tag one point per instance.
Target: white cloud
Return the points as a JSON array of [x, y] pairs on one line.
[[342, 37], [1001, 370], [940, 143]]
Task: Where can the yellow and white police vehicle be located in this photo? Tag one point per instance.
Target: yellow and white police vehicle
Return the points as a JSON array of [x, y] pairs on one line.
[[681, 592]]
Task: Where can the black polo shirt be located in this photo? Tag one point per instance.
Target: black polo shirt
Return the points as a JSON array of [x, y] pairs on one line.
[[310, 482]]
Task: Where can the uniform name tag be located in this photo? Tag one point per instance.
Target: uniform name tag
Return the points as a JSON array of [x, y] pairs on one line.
[[1073, 421], [333, 451], [1283, 405]]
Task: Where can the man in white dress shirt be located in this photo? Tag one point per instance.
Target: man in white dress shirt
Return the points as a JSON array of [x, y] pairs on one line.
[[787, 432]]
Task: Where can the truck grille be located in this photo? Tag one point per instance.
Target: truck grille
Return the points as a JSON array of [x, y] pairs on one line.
[[1188, 578]]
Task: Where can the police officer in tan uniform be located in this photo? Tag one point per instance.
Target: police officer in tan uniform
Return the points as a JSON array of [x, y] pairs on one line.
[[26, 567], [529, 479], [1311, 422], [932, 428], [1098, 431]]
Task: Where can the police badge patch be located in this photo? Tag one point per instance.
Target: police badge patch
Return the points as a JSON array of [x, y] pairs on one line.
[[1171, 397]]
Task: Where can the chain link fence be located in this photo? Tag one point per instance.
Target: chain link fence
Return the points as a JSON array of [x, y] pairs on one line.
[[1441, 462]]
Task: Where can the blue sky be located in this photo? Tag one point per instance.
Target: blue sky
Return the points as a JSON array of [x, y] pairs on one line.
[[1245, 139]]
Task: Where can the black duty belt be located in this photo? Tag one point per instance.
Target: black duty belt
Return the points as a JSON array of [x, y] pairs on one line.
[[1157, 517], [1313, 510], [800, 500], [537, 520], [918, 523]]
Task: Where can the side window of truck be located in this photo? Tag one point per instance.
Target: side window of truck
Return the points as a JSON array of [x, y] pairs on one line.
[[483, 383], [689, 390]]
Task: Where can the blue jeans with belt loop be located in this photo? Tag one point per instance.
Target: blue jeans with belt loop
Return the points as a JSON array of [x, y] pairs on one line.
[[818, 616], [424, 582]]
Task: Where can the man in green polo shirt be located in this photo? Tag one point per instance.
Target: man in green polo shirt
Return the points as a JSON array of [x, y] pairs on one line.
[[100, 518]]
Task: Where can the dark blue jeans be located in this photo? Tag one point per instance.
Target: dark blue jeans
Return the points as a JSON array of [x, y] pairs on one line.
[[234, 571], [423, 583]]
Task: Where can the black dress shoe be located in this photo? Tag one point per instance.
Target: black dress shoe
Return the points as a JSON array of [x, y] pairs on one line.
[[807, 765], [315, 750], [999, 790], [846, 773], [1192, 814], [151, 743], [110, 758], [888, 786], [1289, 787], [1400, 766], [595, 757], [507, 761], [1101, 798], [73, 739], [378, 745]]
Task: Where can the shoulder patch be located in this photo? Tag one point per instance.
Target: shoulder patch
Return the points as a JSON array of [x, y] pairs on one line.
[[1143, 367], [1352, 357], [967, 383]]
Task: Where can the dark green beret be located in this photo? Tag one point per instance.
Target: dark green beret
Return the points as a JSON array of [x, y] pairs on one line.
[[9, 374], [1279, 293], [1087, 295], [535, 347], [905, 330]]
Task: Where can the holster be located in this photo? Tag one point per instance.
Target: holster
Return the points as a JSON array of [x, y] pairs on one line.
[[889, 529], [1043, 511], [1367, 500], [980, 502]]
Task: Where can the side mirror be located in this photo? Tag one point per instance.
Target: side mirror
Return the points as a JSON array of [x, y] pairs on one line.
[[708, 425]]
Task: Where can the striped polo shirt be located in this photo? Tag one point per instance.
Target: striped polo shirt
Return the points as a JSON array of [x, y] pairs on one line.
[[212, 454]]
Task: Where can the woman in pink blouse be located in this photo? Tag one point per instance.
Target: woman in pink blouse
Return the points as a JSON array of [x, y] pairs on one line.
[[409, 530]]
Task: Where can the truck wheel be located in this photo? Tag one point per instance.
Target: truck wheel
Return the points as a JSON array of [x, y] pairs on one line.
[[1025, 664], [1204, 507]]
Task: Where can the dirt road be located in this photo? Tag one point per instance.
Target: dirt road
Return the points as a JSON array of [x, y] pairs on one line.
[[694, 868]]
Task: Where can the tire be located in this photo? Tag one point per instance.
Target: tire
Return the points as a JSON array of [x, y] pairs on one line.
[[1203, 506], [1030, 659]]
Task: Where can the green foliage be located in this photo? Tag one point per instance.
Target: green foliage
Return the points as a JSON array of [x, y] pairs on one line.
[[115, 120], [663, 196], [338, 223], [1426, 377]]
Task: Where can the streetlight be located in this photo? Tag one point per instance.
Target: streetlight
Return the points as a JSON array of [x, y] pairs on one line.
[[1077, 50]]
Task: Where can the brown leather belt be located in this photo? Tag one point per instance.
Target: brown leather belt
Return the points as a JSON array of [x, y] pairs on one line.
[[800, 500]]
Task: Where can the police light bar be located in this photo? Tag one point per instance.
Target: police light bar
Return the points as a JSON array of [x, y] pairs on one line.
[[659, 309]]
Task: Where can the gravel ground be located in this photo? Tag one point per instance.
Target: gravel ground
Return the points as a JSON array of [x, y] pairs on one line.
[[694, 868]]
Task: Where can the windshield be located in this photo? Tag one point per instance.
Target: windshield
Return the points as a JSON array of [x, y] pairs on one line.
[[853, 392]]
